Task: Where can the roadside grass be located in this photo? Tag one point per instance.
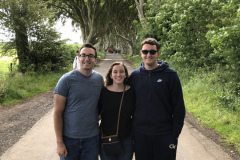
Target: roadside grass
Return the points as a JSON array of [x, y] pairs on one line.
[[201, 100], [209, 101], [17, 87]]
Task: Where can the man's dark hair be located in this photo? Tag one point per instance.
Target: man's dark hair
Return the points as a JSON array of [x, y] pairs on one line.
[[151, 41], [88, 45]]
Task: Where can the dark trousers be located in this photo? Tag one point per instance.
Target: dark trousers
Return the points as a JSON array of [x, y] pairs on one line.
[[155, 147]]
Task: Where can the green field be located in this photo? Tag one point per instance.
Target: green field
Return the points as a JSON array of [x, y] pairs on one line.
[[5, 65]]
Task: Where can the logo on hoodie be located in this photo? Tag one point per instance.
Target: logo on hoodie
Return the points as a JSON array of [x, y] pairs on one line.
[[172, 146], [159, 80]]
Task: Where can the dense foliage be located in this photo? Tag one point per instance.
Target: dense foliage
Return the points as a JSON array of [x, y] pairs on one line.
[[198, 35]]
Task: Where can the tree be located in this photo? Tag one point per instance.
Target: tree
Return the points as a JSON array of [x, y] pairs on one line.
[[181, 27], [124, 27], [224, 36], [93, 17], [26, 19]]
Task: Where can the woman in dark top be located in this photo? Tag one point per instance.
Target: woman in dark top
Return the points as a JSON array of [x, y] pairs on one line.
[[109, 104]]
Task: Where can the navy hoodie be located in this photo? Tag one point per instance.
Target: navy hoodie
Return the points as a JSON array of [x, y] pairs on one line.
[[160, 106]]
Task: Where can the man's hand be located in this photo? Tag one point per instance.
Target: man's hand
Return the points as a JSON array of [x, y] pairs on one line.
[[61, 149]]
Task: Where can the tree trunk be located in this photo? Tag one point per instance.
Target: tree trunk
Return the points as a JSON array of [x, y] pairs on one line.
[[140, 11], [22, 46]]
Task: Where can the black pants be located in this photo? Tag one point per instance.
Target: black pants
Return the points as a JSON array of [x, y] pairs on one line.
[[155, 147]]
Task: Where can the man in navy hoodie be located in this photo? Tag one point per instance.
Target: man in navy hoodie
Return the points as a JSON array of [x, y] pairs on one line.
[[160, 110]]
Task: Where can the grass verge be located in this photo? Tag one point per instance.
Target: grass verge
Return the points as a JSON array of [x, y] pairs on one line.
[[17, 87], [201, 99]]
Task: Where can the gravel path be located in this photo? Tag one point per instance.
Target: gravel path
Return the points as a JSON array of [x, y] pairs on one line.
[[17, 119]]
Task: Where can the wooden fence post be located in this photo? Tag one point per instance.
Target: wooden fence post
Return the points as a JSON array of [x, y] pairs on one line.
[[11, 67]]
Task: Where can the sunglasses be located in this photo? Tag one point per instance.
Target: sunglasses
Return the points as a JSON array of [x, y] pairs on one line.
[[152, 52]]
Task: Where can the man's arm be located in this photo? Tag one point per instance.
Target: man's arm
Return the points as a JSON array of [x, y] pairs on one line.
[[59, 105], [179, 110]]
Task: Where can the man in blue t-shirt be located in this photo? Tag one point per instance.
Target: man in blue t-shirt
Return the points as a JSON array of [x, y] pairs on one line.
[[75, 111]]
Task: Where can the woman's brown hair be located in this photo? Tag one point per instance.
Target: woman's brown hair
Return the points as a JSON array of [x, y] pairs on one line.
[[109, 80]]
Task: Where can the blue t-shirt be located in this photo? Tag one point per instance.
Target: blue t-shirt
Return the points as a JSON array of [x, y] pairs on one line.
[[80, 116]]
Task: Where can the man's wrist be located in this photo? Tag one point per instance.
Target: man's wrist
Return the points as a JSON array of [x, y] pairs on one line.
[[59, 141]]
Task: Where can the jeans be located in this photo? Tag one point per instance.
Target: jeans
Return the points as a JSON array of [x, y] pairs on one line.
[[155, 147], [81, 149], [127, 147]]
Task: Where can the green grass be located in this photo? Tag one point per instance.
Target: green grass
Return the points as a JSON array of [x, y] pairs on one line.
[[5, 66], [201, 99], [18, 87]]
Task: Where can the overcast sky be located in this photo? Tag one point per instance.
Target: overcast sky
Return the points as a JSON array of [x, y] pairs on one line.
[[66, 30]]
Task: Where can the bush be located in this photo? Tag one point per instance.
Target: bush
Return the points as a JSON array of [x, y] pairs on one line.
[[47, 57]]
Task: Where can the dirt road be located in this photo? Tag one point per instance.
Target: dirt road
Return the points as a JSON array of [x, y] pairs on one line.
[[39, 141]]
